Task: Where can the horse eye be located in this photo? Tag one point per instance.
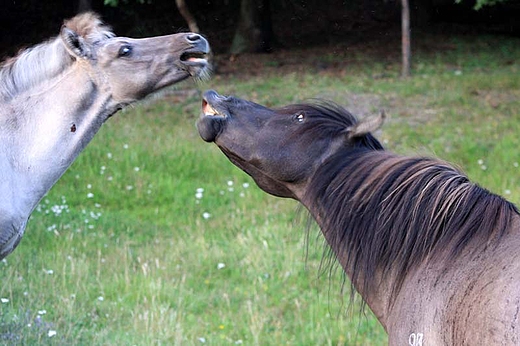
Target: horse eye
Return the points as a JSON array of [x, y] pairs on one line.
[[300, 117], [125, 50]]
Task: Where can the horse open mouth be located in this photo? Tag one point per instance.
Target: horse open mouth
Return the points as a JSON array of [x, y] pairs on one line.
[[196, 58], [210, 111]]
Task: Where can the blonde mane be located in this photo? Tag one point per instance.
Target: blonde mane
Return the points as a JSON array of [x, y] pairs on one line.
[[44, 61]]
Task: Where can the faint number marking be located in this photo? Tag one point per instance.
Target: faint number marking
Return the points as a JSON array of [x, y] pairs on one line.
[[415, 339]]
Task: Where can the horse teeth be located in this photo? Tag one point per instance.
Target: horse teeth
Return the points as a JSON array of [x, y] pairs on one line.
[[210, 111]]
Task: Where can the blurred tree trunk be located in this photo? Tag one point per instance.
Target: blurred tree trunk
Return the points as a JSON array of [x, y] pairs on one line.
[[186, 14], [405, 38], [254, 32], [84, 6]]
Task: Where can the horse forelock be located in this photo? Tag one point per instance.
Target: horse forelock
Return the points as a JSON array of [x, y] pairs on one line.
[[89, 26], [384, 214], [48, 59], [326, 119]]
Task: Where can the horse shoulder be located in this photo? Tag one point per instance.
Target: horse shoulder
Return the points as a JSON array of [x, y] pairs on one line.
[[475, 300]]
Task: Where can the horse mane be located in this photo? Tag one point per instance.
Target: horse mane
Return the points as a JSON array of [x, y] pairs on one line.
[[384, 214], [46, 60], [326, 120]]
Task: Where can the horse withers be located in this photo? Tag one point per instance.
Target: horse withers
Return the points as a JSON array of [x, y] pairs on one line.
[[433, 255], [55, 96]]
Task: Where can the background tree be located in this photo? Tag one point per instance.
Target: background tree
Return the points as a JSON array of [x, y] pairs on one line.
[[254, 32], [186, 14], [406, 39]]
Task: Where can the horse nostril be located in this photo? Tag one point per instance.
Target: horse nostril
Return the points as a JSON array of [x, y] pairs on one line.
[[193, 37]]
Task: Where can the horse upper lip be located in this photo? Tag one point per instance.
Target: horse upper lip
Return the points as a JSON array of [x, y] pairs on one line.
[[209, 110]]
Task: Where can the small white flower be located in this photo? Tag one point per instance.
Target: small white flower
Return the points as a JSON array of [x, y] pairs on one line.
[[90, 195], [100, 298], [515, 164], [89, 186], [206, 215], [51, 333], [480, 162], [109, 155], [42, 312], [458, 72], [202, 340], [198, 195], [110, 178], [129, 187], [239, 342], [230, 183], [136, 169], [50, 272], [200, 189], [125, 146], [245, 186], [4, 300], [221, 266], [507, 192]]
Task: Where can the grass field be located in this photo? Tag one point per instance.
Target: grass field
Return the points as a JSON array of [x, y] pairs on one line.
[[153, 238]]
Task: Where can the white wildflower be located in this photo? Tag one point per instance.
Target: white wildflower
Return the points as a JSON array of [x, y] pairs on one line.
[[221, 265], [51, 333]]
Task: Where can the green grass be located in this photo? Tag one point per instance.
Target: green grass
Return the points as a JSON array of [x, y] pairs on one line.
[[120, 251]]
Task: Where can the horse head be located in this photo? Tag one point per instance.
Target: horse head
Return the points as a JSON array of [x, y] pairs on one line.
[[281, 148]]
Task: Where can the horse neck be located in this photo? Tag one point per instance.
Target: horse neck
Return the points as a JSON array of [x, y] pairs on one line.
[[43, 130], [378, 296]]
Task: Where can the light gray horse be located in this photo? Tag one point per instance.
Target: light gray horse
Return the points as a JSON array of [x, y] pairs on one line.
[[55, 96]]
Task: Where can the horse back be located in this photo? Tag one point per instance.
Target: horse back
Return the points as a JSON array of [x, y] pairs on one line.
[[473, 299]]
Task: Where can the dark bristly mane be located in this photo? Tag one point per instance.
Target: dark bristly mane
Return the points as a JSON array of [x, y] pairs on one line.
[[326, 120], [387, 213]]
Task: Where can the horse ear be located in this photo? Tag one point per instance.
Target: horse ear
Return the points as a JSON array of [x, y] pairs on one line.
[[369, 124], [75, 44]]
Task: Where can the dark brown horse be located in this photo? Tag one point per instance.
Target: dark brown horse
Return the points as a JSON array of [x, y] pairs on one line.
[[435, 256]]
